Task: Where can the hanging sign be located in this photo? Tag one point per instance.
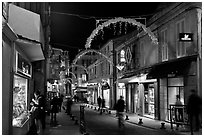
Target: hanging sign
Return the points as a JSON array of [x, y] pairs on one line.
[[188, 37]]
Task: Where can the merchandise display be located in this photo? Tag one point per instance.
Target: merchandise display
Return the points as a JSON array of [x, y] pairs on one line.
[[20, 115]]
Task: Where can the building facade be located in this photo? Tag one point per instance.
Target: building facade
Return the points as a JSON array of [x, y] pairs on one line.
[[22, 46], [160, 72]]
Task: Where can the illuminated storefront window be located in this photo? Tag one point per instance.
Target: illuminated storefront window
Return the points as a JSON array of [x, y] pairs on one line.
[[20, 101]]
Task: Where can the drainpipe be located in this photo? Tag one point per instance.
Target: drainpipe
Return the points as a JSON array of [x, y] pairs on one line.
[[199, 47]]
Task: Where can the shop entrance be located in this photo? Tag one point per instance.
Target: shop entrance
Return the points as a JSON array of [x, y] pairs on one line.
[[175, 87], [149, 99]]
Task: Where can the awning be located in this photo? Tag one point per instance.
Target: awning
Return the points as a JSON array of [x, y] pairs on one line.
[[81, 89], [27, 25], [125, 79], [173, 67], [31, 49]]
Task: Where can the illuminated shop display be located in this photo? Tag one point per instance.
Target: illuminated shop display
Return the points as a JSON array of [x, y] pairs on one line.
[[20, 90]]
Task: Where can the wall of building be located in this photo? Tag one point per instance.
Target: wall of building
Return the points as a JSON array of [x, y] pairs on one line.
[[168, 20], [7, 84]]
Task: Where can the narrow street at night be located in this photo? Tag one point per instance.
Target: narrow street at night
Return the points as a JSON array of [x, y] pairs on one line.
[[104, 124], [101, 68]]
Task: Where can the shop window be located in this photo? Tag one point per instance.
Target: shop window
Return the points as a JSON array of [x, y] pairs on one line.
[[164, 44], [20, 101]]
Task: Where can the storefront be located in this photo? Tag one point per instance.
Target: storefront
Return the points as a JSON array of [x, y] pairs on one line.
[[141, 95], [21, 92], [175, 77], [170, 87], [18, 57], [149, 99]]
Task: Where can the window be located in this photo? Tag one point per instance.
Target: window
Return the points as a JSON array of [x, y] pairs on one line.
[[180, 46], [164, 44]]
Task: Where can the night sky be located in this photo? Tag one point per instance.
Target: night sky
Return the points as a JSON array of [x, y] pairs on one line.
[[73, 22]]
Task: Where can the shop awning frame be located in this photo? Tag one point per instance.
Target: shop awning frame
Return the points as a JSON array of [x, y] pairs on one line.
[[32, 49], [27, 26], [175, 67]]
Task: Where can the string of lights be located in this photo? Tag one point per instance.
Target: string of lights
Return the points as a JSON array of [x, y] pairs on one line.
[[97, 18]]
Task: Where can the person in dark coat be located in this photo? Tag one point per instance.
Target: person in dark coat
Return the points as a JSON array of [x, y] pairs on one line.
[[103, 102], [194, 108], [120, 106], [60, 100], [69, 105], [54, 110], [39, 112], [99, 102]]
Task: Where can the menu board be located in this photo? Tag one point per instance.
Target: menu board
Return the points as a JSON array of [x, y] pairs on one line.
[[20, 114]]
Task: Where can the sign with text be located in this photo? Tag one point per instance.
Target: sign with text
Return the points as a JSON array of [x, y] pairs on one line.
[[188, 37]]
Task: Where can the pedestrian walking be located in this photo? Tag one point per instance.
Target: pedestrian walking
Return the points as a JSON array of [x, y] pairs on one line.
[[60, 100], [178, 111], [69, 105], [99, 102], [54, 110], [75, 98], [103, 102], [194, 107], [120, 106]]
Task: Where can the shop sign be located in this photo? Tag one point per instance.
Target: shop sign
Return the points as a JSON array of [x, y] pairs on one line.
[[23, 66], [128, 55], [186, 37]]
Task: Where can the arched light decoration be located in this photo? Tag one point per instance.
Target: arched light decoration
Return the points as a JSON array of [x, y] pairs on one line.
[[90, 50], [120, 19]]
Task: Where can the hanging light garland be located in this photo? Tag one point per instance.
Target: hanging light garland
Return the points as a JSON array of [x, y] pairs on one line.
[[114, 21]]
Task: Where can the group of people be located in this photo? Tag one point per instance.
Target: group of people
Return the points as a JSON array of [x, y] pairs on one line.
[[38, 111]]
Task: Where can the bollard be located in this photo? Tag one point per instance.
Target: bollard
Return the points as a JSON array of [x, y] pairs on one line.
[[162, 125], [109, 112], [95, 108], [140, 121], [126, 117], [103, 110], [76, 122]]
